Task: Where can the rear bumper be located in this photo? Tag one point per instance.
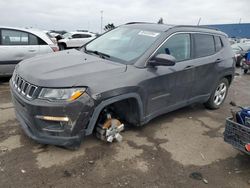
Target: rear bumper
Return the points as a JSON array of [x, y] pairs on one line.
[[68, 134]]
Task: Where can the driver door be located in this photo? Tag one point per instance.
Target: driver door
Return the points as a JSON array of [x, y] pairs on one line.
[[169, 87]]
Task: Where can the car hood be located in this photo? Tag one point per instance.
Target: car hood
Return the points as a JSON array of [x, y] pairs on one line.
[[67, 69]]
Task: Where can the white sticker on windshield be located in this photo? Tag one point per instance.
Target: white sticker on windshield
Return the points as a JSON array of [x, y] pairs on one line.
[[148, 33]]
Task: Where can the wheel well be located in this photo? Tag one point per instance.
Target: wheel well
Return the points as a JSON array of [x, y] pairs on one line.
[[127, 110], [229, 78]]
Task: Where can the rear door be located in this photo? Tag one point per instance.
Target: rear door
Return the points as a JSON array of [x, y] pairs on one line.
[[86, 38], [207, 57], [74, 41], [15, 46], [79, 39]]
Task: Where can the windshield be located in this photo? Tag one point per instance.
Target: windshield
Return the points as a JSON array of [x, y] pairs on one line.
[[123, 44]]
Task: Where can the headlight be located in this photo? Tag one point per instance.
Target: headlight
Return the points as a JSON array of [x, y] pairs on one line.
[[67, 94]]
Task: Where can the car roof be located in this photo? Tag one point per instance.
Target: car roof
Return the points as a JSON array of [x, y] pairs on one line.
[[166, 27], [149, 26], [81, 32], [37, 32]]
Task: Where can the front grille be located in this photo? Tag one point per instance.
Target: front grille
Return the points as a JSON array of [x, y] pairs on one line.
[[23, 87]]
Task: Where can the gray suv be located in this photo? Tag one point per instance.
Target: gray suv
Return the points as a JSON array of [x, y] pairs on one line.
[[129, 75]]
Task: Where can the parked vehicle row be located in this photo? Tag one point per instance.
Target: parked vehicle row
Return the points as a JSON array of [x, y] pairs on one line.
[[246, 62], [17, 44], [240, 50]]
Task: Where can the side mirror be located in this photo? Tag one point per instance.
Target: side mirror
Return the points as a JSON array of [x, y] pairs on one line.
[[162, 60]]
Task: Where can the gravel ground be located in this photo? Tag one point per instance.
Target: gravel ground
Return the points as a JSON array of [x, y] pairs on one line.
[[163, 153]]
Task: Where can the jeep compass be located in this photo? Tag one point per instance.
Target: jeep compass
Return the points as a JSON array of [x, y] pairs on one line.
[[128, 75]]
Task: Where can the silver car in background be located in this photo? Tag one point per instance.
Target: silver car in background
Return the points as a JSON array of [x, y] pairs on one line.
[[17, 44]]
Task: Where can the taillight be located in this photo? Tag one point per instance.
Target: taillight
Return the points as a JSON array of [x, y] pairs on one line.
[[247, 146], [55, 48]]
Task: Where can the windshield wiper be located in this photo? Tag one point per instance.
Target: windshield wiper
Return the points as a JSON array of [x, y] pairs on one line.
[[102, 55]]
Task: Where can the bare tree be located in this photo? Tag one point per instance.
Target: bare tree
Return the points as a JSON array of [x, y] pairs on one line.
[[109, 26]]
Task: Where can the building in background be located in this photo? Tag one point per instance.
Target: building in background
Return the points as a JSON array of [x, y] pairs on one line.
[[241, 30]]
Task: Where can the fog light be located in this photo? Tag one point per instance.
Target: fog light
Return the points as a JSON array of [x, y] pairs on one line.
[[53, 118]]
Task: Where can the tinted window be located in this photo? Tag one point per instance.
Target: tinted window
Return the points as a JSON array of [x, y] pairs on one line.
[[12, 37], [81, 36], [204, 45], [177, 46], [33, 40], [41, 42], [85, 36], [76, 36], [218, 43]]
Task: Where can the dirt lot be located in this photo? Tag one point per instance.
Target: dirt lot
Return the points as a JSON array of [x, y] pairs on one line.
[[161, 154]]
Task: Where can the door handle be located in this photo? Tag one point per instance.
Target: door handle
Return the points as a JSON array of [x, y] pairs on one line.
[[189, 67], [218, 60], [32, 50]]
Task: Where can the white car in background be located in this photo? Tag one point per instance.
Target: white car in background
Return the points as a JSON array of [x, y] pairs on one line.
[[17, 44], [75, 39]]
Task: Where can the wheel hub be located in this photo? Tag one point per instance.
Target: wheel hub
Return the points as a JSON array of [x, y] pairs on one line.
[[110, 130], [113, 131]]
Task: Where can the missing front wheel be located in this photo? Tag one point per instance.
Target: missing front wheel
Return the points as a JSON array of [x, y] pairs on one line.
[[108, 129]]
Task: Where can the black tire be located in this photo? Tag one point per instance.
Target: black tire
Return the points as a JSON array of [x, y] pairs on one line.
[[62, 46], [245, 71], [211, 103]]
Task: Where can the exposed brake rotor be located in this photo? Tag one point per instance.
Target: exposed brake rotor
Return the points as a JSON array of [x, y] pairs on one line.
[[110, 130]]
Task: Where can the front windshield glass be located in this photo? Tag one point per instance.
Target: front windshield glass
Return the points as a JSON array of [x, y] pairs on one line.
[[124, 44]]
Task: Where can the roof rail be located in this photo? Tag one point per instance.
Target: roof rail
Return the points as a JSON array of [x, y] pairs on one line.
[[199, 26]]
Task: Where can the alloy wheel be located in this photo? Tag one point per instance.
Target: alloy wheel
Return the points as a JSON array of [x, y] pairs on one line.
[[220, 94]]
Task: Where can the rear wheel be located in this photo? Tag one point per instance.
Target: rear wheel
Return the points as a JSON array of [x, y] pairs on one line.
[[219, 95]]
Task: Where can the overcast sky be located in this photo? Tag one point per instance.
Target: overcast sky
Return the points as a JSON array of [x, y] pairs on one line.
[[85, 14]]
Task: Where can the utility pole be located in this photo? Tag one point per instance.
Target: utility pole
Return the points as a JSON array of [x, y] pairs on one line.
[[101, 20], [199, 21]]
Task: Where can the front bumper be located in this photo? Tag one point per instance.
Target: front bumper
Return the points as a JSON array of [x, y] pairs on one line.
[[68, 134], [47, 139]]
